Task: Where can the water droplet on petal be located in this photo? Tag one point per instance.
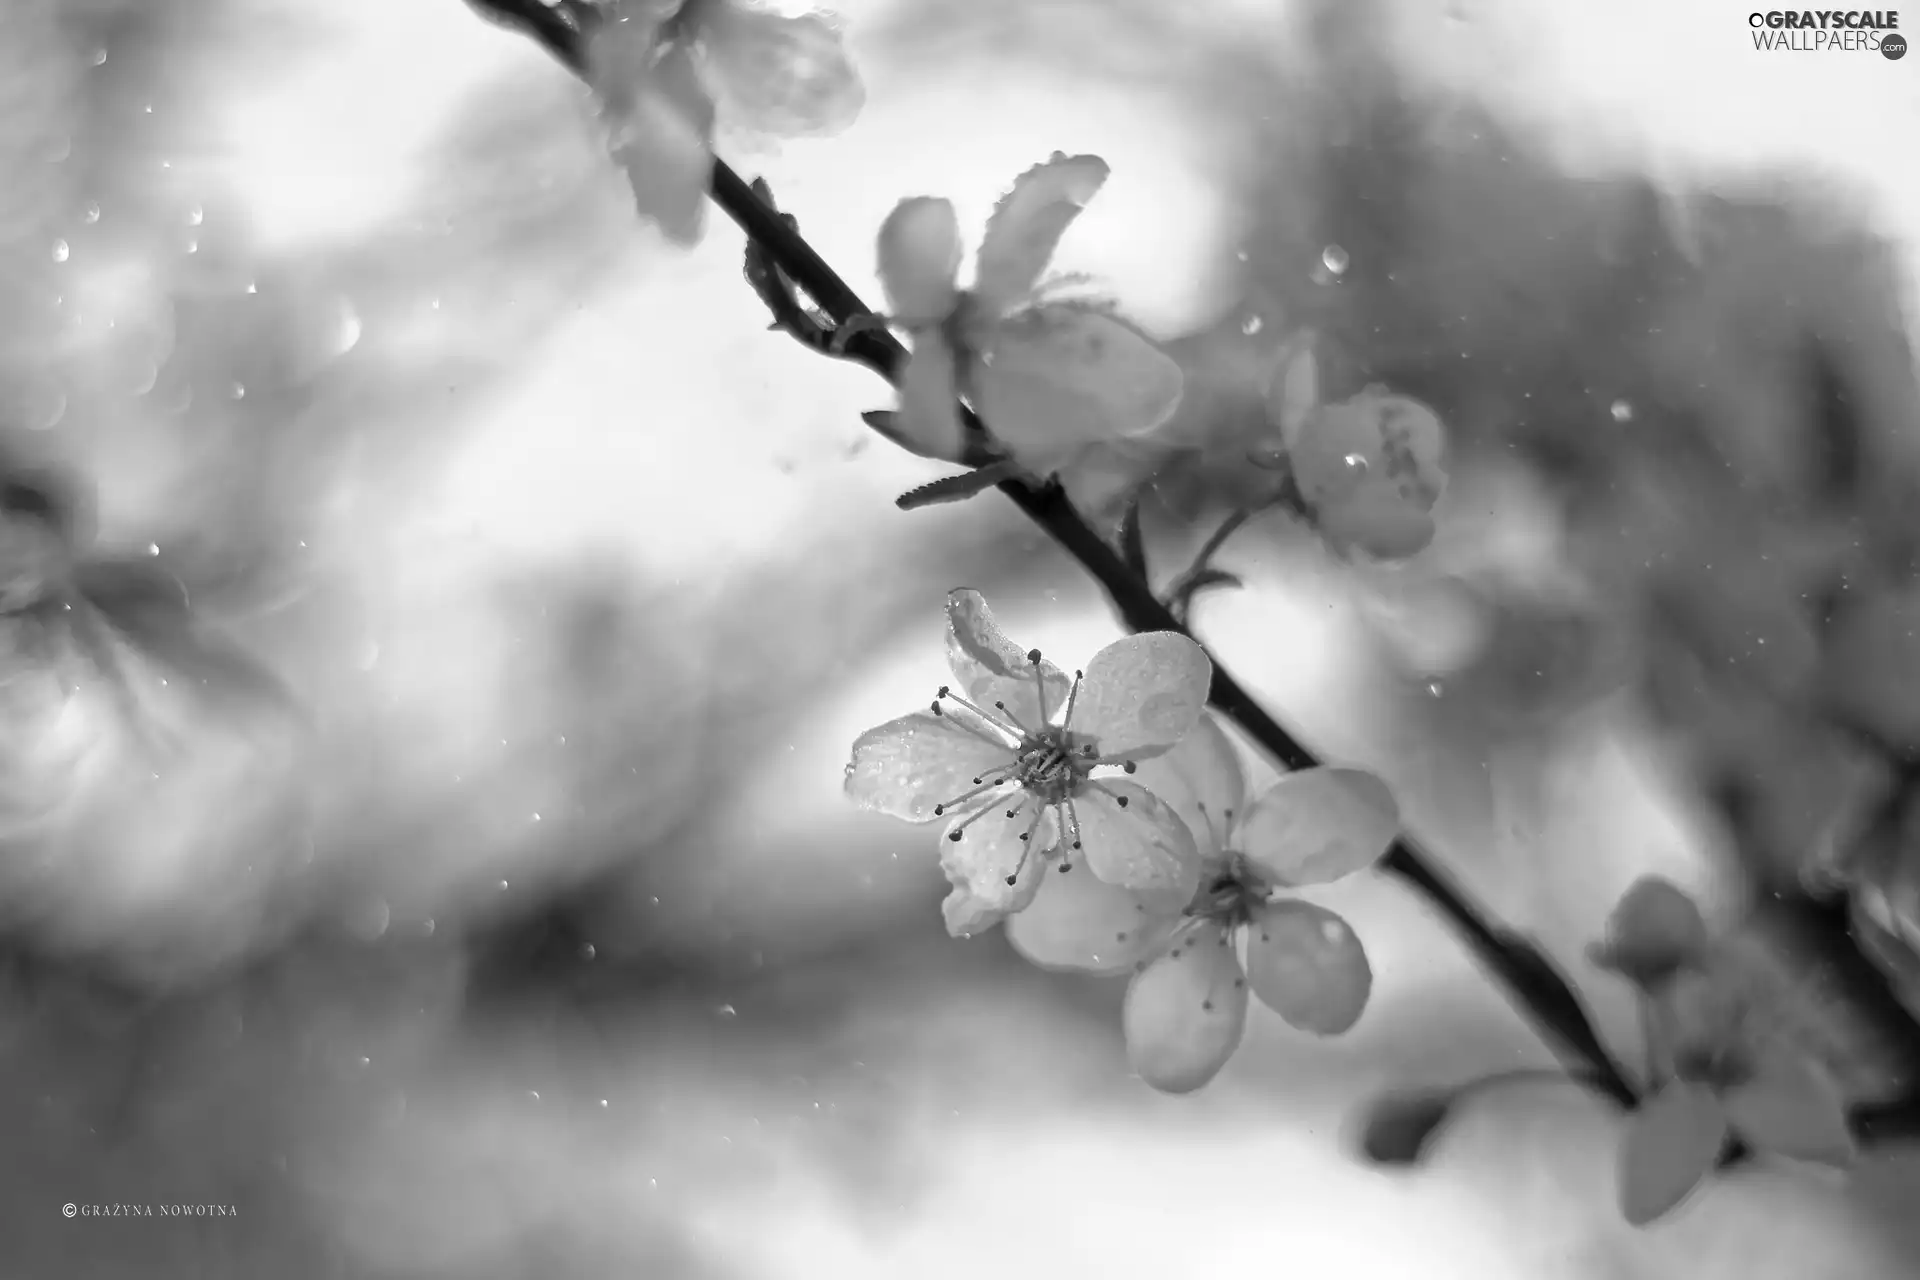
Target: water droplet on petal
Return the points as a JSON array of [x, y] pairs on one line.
[[252, 287], [195, 216], [1621, 411], [1252, 325], [153, 548], [60, 251], [1355, 462], [587, 952], [1435, 688], [100, 57], [503, 886], [92, 214], [238, 391], [1335, 260], [193, 245]]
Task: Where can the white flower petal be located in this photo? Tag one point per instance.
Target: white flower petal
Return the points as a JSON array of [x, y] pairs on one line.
[[908, 767], [1056, 377], [1080, 922], [662, 135], [1671, 1142], [929, 419], [1307, 966], [1132, 839], [992, 668], [994, 867], [783, 75], [1791, 1108], [919, 249], [1317, 825], [1204, 780], [1186, 1011], [1293, 396], [1142, 694], [1027, 224]]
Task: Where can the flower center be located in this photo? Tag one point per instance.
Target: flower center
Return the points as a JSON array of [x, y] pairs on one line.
[[1230, 892]]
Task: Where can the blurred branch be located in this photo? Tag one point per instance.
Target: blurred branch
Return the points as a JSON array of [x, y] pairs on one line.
[[779, 261]]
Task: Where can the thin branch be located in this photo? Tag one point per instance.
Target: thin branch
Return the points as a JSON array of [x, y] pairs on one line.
[[1531, 980]]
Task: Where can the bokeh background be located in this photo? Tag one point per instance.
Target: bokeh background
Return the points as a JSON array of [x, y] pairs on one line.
[[544, 944]]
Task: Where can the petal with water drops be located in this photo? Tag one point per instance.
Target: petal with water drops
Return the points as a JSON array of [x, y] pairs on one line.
[[909, 767], [1186, 1011], [1204, 781], [1142, 694], [992, 668], [1318, 825], [1027, 225], [1078, 921], [1000, 858], [1133, 839], [1307, 965]]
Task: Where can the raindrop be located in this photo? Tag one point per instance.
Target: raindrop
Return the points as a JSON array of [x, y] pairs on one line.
[[252, 287], [195, 216], [1434, 688], [238, 391], [503, 886], [153, 548], [100, 56], [1621, 411], [727, 1011], [587, 952], [56, 409], [1355, 461], [1240, 255], [534, 1094], [536, 817], [1252, 325], [60, 251], [426, 927], [369, 922], [193, 245], [92, 214], [603, 1104], [1335, 260]]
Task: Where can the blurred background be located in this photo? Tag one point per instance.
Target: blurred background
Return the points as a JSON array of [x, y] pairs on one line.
[[517, 925]]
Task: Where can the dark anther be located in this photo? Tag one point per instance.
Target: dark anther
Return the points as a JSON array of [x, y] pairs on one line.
[[1130, 766], [945, 689], [1079, 675], [1206, 1006], [1121, 801], [1033, 655], [1023, 835], [1011, 812], [1076, 844], [954, 836], [1000, 706], [939, 809], [1012, 878], [936, 708]]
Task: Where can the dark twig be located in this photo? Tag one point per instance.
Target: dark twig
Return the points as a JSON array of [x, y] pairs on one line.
[[786, 259], [1527, 974]]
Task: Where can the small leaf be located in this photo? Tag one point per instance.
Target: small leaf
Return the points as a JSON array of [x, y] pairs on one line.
[[956, 488]]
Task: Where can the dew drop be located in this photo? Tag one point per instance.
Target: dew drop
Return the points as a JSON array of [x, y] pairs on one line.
[[60, 251], [92, 214], [503, 886], [195, 216], [193, 245], [1621, 411], [1435, 688], [1252, 325], [238, 391], [153, 548], [727, 1011], [1355, 462], [100, 57], [1335, 260], [587, 952]]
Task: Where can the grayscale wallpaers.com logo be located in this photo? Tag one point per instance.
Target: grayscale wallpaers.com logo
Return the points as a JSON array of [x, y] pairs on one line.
[[1820, 30]]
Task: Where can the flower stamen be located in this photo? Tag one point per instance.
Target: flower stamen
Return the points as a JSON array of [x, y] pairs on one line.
[[1039, 682], [1010, 730], [960, 830], [982, 785]]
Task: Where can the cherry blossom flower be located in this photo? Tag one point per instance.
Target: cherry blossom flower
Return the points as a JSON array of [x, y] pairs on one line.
[[1186, 1007], [667, 71], [1724, 1058], [1369, 468], [1008, 760], [1052, 378]]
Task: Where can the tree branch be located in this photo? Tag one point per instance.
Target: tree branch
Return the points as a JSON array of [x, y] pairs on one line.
[[1530, 978]]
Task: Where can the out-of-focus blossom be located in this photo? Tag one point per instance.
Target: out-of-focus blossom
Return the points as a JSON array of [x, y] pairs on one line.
[[1186, 1006], [1368, 469], [1009, 760], [1052, 378], [1723, 1057], [667, 72]]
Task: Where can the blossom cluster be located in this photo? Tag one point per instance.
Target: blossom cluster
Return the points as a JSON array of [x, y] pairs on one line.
[[1105, 819]]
